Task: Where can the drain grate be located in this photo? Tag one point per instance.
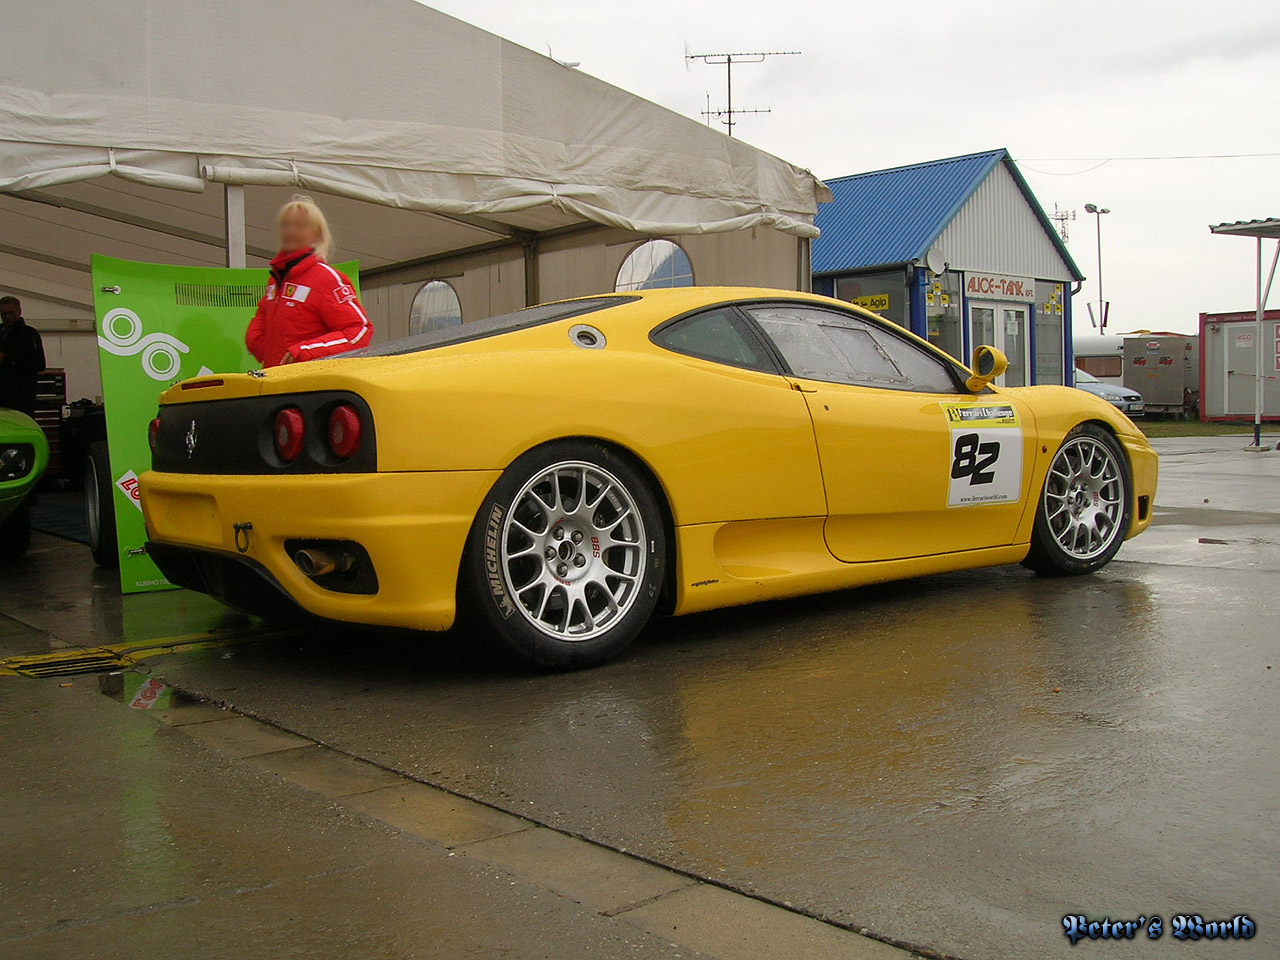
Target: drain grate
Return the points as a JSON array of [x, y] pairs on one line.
[[65, 663]]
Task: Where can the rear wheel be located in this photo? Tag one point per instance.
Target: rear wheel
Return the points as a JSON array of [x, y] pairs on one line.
[[1085, 506], [99, 506], [566, 558], [15, 533]]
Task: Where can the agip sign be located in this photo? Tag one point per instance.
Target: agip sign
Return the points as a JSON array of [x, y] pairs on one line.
[[995, 286]]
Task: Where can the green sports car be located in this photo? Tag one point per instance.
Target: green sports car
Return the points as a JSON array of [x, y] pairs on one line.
[[24, 454]]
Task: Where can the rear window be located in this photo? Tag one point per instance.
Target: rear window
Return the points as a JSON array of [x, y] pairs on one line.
[[493, 326], [719, 335]]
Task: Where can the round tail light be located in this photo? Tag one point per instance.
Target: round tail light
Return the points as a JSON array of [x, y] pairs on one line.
[[345, 431], [153, 434], [290, 432]]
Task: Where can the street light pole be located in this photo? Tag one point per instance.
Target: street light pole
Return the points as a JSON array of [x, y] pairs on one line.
[[1097, 217]]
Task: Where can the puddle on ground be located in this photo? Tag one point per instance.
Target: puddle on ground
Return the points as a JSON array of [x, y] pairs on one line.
[[138, 691]]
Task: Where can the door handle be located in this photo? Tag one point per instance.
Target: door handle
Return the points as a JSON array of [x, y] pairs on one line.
[[801, 388]]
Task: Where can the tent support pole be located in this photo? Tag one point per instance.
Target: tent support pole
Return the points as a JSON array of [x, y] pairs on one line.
[[532, 277], [804, 271], [233, 206]]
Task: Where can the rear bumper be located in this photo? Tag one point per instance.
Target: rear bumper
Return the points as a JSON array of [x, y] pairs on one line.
[[412, 527], [236, 581]]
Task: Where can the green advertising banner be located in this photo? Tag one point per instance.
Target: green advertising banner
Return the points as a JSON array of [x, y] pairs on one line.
[[159, 324]]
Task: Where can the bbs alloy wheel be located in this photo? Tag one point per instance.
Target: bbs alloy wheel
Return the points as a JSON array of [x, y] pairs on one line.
[[572, 550], [1084, 509]]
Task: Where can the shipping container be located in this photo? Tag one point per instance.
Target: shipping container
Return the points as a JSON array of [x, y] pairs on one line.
[[1228, 371]]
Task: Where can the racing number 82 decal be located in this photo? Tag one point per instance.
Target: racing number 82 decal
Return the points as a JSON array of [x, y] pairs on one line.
[[986, 454], [974, 459]]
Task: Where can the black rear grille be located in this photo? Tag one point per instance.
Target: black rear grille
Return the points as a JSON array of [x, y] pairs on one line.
[[217, 295], [234, 437], [236, 581]]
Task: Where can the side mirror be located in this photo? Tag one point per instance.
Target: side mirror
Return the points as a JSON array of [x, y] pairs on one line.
[[988, 363]]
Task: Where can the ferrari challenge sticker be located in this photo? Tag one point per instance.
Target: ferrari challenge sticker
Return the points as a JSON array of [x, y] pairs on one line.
[[986, 454]]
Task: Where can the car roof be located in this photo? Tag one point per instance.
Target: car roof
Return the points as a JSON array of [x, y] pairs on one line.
[[633, 310]]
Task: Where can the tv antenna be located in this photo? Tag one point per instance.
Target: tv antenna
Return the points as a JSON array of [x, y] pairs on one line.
[[726, 116], [1061, 218]]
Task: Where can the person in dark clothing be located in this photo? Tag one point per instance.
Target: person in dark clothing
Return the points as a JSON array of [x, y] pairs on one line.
[[21, 358]]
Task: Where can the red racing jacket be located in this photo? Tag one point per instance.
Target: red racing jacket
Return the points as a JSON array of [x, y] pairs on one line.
[[310, 311]]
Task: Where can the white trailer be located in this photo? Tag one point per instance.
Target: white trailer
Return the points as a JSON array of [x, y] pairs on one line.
[[1101, 355]]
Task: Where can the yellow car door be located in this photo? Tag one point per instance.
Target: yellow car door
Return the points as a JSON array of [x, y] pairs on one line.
[[912, 463]]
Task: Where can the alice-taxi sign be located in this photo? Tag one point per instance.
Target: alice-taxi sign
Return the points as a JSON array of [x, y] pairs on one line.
[[996, 286]]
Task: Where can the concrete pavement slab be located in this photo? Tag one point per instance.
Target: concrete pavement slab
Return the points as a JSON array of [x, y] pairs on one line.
[[433, 814], [731, 927], [324, 771], [243, 737], [605, 880], [122, 838]]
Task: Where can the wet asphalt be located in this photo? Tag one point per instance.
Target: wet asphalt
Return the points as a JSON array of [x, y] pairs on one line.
[[954, 763]]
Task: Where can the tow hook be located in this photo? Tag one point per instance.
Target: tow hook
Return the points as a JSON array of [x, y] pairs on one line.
[[242, 530]]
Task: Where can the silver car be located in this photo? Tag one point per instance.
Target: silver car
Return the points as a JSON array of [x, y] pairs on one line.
[[1122, 398]]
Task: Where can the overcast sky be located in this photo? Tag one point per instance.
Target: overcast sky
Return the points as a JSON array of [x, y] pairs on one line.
[[1063, 85]]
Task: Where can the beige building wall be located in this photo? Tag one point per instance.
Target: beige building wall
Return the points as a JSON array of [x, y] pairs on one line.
[[487, 284], [575, 265], [492, 282]]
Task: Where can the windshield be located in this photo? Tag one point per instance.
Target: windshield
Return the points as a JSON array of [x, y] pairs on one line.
[[1083, 377], [493, 326]]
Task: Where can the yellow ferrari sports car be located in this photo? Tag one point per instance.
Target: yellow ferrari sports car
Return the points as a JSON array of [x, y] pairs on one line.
[[561, 474]]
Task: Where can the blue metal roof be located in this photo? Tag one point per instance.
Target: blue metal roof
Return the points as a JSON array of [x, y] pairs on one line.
[[894, 216]]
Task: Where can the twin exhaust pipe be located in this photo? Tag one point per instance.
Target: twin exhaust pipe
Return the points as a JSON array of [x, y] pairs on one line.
[[318, 562]]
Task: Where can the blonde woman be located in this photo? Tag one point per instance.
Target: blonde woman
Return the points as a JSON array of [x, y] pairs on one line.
[[310, 309]]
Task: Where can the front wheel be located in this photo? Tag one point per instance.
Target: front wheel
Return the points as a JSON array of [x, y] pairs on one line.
[[567, 556], [1085, 506], [99, 506]]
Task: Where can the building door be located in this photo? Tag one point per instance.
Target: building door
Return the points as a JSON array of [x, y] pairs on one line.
[[1003, 326]]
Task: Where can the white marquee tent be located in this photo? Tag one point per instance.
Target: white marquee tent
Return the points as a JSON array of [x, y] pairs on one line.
[[170, 131]]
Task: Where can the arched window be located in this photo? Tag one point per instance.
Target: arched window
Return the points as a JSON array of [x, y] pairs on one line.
[[655, 263], [435, 307]]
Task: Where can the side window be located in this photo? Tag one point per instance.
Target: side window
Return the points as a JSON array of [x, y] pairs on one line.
[[435, 307], [825, 345], [720, 335], [654, 264]]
